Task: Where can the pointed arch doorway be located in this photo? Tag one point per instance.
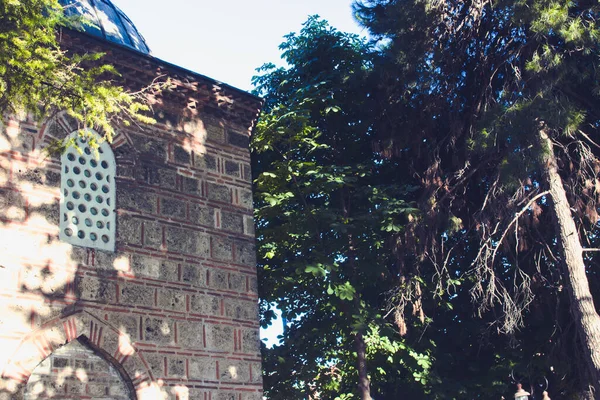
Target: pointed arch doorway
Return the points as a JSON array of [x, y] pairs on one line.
[[93, 338], [76, 371]]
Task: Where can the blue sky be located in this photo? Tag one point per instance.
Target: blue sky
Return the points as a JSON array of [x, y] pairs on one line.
[[228, 40]]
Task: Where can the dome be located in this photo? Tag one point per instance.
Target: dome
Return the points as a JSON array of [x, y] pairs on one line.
[[105, 20]]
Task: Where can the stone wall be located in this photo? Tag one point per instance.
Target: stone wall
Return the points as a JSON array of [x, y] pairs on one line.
[[174, 308]]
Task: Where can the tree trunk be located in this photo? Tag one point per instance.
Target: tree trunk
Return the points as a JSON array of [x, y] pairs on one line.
[[582, 305], [364, 386]]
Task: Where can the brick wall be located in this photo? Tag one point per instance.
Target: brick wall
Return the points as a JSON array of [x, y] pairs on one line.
[[174, 309]]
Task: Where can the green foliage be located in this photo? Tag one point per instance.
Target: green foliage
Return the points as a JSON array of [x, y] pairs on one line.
[[477, 81], [326, 204], [38, 76], [394, 189]]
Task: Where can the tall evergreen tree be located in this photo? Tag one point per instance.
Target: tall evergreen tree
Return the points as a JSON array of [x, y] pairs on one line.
[[502, 129]]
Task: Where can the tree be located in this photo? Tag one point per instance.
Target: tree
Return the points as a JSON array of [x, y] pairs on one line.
[[502, 98], [327, 204], [38, 76]]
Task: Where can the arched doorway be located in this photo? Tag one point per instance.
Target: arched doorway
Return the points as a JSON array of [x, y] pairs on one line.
[[76, 371], [105, 341]]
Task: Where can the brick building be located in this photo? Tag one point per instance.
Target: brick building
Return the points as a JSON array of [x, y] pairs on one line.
[[130, 274]]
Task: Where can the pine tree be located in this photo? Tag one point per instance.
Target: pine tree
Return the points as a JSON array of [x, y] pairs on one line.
[[501, 99]]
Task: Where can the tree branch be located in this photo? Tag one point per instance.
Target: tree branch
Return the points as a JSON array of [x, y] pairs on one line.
[[514, 220]]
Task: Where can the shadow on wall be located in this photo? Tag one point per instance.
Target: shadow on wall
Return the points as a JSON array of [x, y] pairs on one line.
[[183, 188], [76, 369], [52, 344]]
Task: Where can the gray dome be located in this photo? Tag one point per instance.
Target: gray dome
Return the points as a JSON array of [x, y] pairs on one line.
[[105, 20]]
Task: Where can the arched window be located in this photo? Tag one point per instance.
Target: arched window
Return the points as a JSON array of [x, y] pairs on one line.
[[87, 205]]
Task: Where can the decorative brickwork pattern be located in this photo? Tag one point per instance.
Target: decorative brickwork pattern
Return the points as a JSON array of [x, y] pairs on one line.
[[174, 307], [87, 204]]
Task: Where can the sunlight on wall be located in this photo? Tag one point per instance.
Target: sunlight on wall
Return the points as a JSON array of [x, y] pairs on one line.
[[173, 310], [75, 370]]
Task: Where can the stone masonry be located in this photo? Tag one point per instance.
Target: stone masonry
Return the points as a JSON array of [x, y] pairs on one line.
[[172, 313]]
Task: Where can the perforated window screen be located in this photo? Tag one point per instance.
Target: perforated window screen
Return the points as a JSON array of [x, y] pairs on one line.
[[87, 205]]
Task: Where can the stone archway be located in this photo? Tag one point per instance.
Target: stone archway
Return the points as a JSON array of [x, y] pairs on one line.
[[60, 125], [75, 370], [107, 342]]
